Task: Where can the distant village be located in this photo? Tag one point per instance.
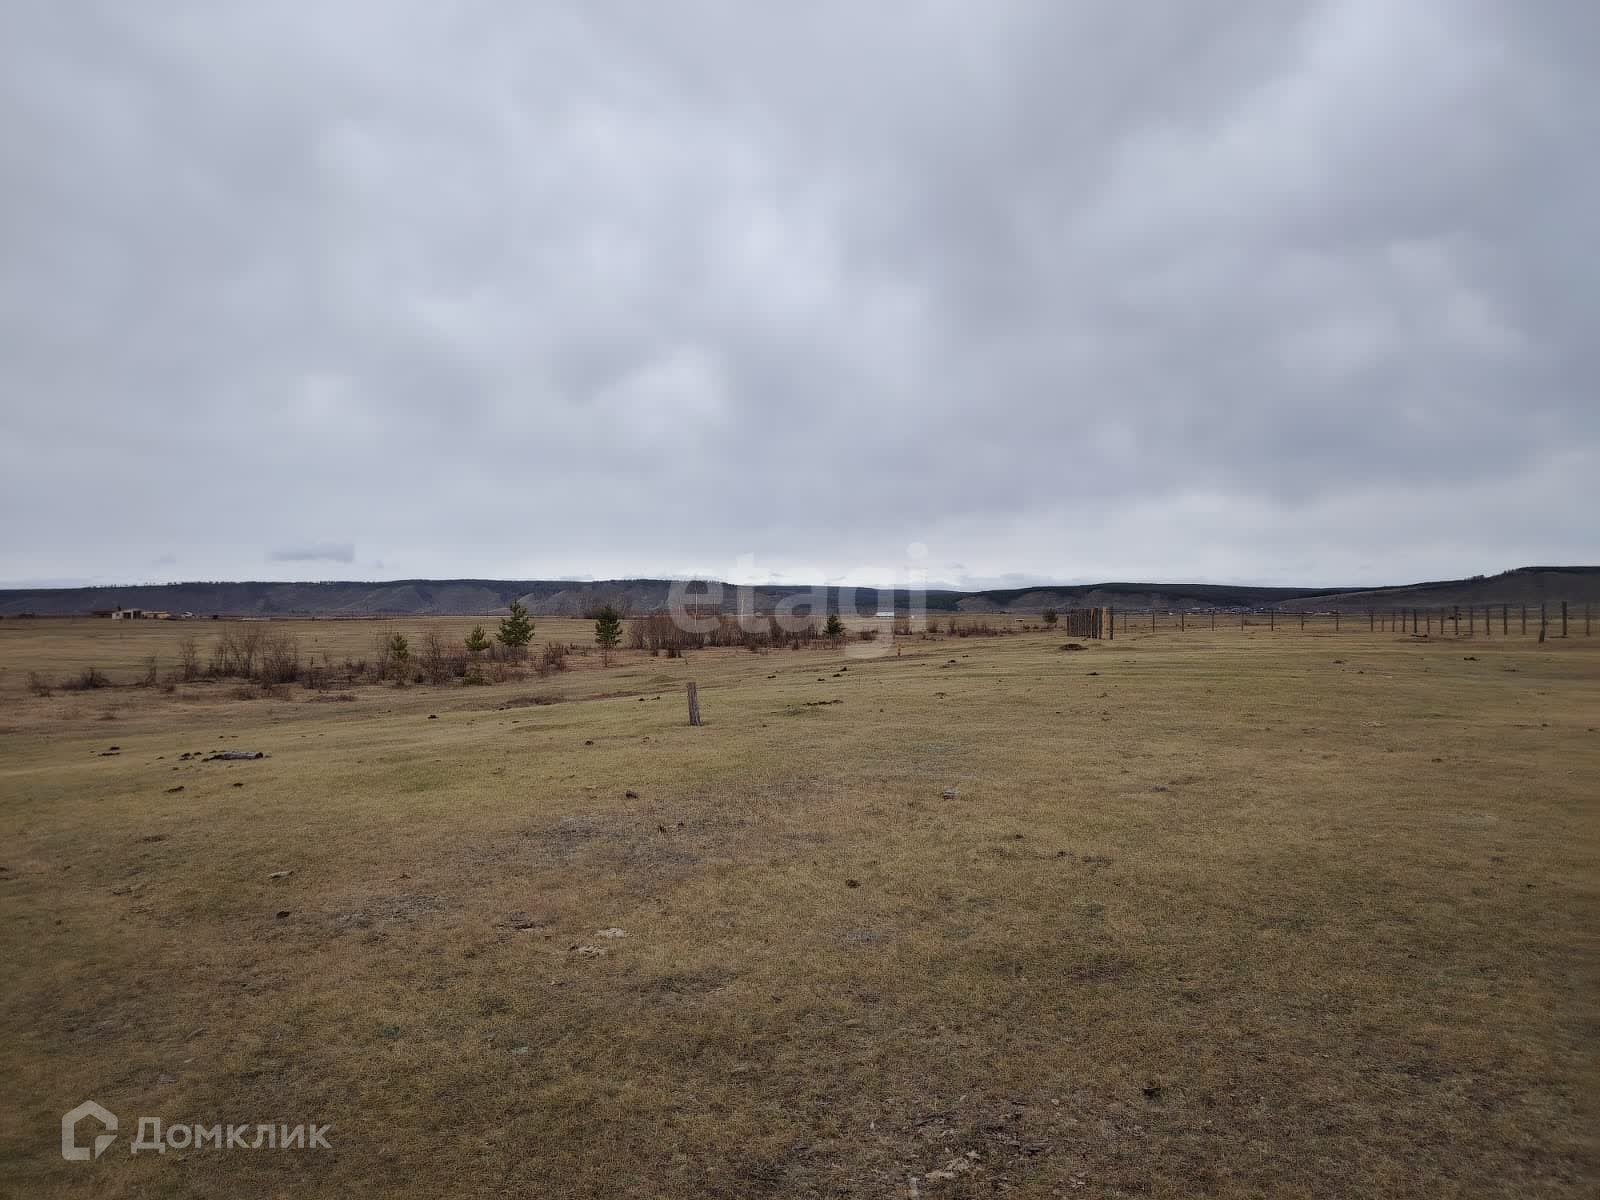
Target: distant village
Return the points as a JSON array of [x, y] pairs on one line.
[[140, 614]]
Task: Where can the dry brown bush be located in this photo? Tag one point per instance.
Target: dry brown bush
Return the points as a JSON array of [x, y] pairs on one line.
[[280, 659], [236, 650], [188, 658], [88, 679]]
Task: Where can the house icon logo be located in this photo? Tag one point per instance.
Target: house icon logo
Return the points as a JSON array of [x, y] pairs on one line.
[[70, 1150]]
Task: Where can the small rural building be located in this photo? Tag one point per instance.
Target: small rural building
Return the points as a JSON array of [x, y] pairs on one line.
[[127, 614]]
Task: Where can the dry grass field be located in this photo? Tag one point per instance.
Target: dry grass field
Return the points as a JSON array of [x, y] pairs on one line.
[[1226, 914]]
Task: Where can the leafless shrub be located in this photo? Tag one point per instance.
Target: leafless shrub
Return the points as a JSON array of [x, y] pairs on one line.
[[378, 665], [977, 628], [439, 659], [554, 658], [653, 632], [88, 679], [188, 658], [38, 684], [235, 652], [280, 659], [659, 633], [152, 672]]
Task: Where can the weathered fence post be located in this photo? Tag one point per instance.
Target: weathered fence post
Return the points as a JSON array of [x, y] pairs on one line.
[[1371, 623], [1563, 618], [1524, 620], [1272, 618], [1111, 623], [1336, 620], [694, 705], [1505, 619]]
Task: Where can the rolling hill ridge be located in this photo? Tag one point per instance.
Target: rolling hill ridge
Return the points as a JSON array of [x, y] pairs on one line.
[[468, 597]]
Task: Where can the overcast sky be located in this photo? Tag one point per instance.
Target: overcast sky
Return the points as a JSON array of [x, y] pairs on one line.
[[1251, 290]]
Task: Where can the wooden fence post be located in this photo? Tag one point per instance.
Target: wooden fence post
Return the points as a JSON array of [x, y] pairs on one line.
[[694, 705], [1456, 620], [1272, 618], [1111, 624], [1505, 619], [1563, 618], [1371, 625], [1524, 620], [1336, 620], [1302, 620], [1542, 621]]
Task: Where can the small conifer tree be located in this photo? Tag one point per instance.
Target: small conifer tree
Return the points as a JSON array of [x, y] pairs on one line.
[[607, 632], [516, 631], [400, 656]]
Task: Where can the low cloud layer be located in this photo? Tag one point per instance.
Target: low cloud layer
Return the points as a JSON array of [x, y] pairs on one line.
[[1258, 292], [341, 552]]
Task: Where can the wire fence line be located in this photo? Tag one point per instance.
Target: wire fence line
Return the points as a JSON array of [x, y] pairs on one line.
[[1548, 619]]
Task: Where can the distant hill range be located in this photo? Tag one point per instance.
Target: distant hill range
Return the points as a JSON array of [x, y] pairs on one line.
[[472, 597]]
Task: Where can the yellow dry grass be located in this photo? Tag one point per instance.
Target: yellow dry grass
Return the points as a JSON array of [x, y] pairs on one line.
[[1232, 913]]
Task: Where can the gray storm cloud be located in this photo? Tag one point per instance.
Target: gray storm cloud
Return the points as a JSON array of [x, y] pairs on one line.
[[1256, 291]]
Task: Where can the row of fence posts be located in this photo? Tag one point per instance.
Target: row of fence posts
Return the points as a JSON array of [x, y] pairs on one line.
[[1399, 620], [1102, 623], [1086, 622]]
